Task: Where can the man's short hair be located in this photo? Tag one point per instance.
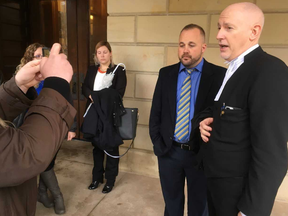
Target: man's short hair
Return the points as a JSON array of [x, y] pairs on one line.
[[193, 26]]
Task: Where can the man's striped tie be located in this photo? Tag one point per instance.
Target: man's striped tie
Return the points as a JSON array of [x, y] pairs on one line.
[[183, 114]]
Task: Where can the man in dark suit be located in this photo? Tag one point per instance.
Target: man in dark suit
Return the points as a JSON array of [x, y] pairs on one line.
[[245, 155], [182, 90]]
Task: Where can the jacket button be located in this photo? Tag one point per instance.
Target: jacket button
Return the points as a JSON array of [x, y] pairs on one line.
[[170, 138]]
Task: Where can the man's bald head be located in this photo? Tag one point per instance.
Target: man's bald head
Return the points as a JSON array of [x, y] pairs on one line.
[[240, 26], [251, 13]]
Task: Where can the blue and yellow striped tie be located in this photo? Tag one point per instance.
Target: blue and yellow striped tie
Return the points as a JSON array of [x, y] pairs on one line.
[[183, 114]]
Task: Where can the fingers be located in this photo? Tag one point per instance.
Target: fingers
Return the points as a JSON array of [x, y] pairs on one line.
[[56, 65], [31, 67], [39, 77], [71, 135], [204, 138], [43, 61], [91, 99], [55, 50], [33, 63], [63, 55], [205, 129], [27, 74]]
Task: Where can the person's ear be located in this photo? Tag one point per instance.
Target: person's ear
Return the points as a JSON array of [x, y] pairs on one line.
[[255, 32], [204, 46]]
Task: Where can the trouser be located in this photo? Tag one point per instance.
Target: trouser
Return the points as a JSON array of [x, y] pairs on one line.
[[224, 194], [174, 167], [111, 168]]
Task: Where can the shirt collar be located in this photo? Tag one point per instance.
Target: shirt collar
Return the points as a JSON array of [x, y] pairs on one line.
[[198, 67], [241, 57]]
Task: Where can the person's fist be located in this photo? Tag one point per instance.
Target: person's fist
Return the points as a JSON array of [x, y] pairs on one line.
[[28, 75], [56, 65]]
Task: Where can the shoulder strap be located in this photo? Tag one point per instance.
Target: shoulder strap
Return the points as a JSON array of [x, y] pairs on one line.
[[113, 156]]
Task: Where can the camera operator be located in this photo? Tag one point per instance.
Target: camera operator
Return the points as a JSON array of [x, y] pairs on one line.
[[27, 151]]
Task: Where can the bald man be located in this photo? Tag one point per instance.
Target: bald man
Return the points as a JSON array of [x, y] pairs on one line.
[[246, 132]]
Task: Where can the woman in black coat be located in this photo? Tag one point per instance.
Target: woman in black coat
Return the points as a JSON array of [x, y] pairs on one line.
[[93, 82]]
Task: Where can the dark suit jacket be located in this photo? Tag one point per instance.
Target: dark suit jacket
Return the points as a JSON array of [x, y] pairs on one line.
[[163, 111], [119, 81], [251, 141]]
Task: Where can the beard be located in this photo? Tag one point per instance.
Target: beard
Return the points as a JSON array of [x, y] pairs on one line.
[[190, 61]]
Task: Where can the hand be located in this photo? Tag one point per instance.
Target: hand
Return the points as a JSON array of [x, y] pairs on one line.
[[91, 99], [71, 135], [205, 129], [239, 214], [56, 65], [29, 75]]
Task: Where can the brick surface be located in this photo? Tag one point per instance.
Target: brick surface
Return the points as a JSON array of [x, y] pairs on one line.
[[166, 29], [145, 85], [139, 58], [136, 6], [120, 29], [201, 5]]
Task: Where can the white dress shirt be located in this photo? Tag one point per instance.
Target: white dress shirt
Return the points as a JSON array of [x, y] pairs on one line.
[[233, 66]]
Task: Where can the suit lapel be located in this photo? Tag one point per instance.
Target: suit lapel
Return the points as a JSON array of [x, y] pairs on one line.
[[172, 89], [204, 86], [248, 60]]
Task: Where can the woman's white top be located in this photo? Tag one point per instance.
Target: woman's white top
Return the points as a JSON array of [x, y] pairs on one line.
[[98, 81]]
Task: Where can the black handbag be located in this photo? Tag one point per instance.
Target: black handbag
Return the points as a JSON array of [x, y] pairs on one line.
[[128, 124], [127, 128]]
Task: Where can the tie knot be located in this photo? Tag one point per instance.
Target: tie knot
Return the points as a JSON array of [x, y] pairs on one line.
[[189, 70]]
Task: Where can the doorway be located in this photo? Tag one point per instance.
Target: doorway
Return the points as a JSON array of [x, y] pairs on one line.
[[86, 26], [78, 25]]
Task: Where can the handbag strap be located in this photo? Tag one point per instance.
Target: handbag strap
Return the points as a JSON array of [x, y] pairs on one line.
[[113, 156]]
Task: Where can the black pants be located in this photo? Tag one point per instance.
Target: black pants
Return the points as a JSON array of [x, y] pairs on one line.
[[112, 165], [174, 167], [224, 194]]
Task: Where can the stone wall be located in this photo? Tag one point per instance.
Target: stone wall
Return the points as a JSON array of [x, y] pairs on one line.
[[144, 36]]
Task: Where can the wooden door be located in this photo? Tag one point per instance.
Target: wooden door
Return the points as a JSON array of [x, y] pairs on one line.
[[86, 26], [13, 35]]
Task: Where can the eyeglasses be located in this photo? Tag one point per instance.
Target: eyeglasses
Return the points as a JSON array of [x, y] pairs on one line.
[[38, 57]]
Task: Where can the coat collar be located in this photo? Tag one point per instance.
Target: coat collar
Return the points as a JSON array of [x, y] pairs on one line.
[[173, 90]]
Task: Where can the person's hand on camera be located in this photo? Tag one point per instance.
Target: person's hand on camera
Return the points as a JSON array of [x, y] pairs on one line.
[[56, 65], [28, 75]]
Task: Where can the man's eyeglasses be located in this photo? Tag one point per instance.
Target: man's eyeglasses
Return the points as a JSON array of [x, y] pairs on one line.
[[38, 57]]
